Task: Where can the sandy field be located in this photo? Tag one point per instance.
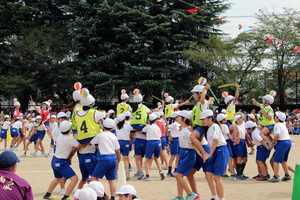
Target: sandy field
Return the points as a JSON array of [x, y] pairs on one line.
[[37, 171]]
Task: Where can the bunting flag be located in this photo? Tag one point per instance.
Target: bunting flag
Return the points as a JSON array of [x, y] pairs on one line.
[[240, 26], [221, 18], [297, 49], [193, 10], [280, 44], [269, 40]]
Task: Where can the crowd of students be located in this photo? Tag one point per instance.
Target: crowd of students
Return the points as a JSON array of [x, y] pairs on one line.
[[195, 139]]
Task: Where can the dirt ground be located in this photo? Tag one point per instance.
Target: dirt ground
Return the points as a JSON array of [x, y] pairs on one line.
[[37, 171]]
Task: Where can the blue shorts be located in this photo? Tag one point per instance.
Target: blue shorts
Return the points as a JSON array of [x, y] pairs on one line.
[[14, 132], [140, 147], [250, 134], [153, 147], [106, 167], [164, 143], [87, 140], [218, 162], [201, 129], [46, 123], [61, 168], [270, 127], [199, 161], [228, 123], [240, 149], [87, 164], [187, 159], [3, 134], [262, 153], [40, 134], [228, 144], [138, 127], [21, 134], [52, 142], [232, 150], [174, 146], [283, 148], [33, 138], [124, 147], [130, 146], [74, 132]]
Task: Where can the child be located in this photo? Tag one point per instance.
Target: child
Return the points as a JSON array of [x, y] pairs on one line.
[[61, 161], [283, 146], [162, 126], [3, 135], [17, 106], [123, 106], [126, 192], [123, 134], [262, 152], [216, 166], [30, 136], [109, 149], [221, 118], [170, 107], [240, 147], [187, 157], [77, 108], [231, 102], [16, 127], [153, 146], [52, 125]]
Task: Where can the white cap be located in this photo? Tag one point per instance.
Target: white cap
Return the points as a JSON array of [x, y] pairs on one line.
[[98, 187], [121, 117], [86, 193], [157, 114], [280, 115], [161, 113], [61, 114], [6, 116], [33, 119], [110, 111], [221, 116], [152, 117], [53, 116], [174, 114], [76, 95], [38, 117], [87, 101], [251, 116], [185, 113], [198, 88], [128, 114], [206, 114], [124, 96], [108, 123], [229, 98], [268, 98], [169, 99], [249, 124], [65, 126], [237, 117], [17, 103], [137, 98], [47, 103], [126, 189], [223, 111]]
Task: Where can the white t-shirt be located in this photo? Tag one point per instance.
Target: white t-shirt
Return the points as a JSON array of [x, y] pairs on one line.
[[225, 130], [39, 127], [6, 124], [204, 141], [242, 131], [97, 116], [123, 133], [87, 149], [107, 143], [256, 137], [184, 138], [231, 106], [281, 129], [64, 146], [140, 136], [18, 124], [56, 133], [174, 129], [214, 133], [52, 125], [152, 132]]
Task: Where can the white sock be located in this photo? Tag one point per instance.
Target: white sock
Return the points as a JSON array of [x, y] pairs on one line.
[[215, 197], [50, 150]]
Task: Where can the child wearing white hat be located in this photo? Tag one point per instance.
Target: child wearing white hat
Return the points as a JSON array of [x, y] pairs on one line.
[[17, 106], [126, 192], [123, 106], [5, 126], [77, 108], [109, 150], [231, 102], [170, 106]]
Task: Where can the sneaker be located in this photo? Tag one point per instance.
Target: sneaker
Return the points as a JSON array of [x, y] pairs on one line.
[[127, 175], [146, 178], [258, 175], [176, 198], [286, 178], [141, 175], [226, 176], [268, 175], [62, 191], [68, 198], [262, 178], [162, 176], [245, 177], [198, 196], [48, 155], [233, 177], [136, 174], [170, 174], [191, 197], [23, 155], [252, 151], [240, 178], [11, 148], [50, 197], [33, 154], [274, 180], [44, 155]]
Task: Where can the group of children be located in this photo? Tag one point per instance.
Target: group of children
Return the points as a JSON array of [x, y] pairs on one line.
[[196, 139]]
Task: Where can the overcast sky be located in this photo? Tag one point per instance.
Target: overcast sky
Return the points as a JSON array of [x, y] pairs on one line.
[[243, 12]]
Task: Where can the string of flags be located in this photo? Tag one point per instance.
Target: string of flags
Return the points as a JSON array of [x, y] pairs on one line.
[[240, 26]]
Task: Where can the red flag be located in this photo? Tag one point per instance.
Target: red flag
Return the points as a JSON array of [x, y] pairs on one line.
[[269, 40], [280, 44], [297, 49], [221, 18], [194, 10], [158, 0]]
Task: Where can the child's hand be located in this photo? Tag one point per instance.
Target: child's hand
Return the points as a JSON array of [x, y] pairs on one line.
[[236, 85], [207, 86]]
